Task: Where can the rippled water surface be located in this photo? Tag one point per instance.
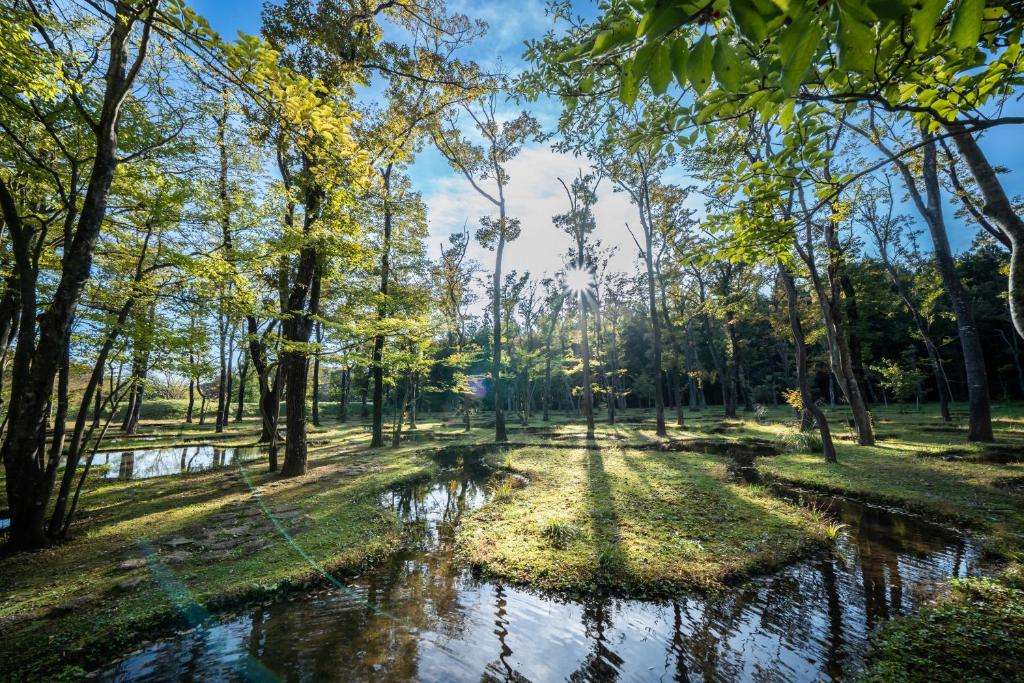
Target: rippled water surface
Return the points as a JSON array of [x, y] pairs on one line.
[[423, 615]]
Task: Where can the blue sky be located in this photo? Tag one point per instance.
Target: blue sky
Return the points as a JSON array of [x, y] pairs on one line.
[[534, 193]]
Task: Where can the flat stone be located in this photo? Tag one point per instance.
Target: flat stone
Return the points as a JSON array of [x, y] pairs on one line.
[[130, 582], [217, 555], [257, 545], [226, 544], [134, 563], [178, 557], [237, 531], [288, 514], [178, 541]]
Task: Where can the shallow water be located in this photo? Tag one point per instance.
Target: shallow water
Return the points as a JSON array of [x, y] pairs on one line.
[[157, 462], [424, 616]]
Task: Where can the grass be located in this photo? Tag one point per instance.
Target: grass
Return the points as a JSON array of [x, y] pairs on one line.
[[633, 514], [929, 472], [76, 604], [632, 521], [975, 633]]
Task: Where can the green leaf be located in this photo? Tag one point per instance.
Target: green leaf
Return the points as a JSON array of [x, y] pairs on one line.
[[856, 40], [749, 20], [966, 27], [890, 10], [698, 64], [620, 33], [664, 17], [660, 71], [641, 63], [679, 52], [602, 43], [798, 46], [923, 21], [628, 88], [726, 64], [787, 113]]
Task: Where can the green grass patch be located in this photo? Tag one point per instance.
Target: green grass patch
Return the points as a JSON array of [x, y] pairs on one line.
[[974, 633], [632, 521]]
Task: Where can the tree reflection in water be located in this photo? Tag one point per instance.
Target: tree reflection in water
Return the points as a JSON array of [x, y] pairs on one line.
[[423, 615]]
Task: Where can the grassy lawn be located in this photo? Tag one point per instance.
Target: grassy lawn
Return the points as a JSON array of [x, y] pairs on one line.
[[930, 472], [144, 549], [633, 521], [632, 514]]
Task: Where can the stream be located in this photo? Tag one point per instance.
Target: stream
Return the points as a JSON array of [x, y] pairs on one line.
[[423, 615]]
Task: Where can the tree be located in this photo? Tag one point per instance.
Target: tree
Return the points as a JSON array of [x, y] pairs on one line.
[[578, 222], [946, 65], [44, 336], [483, 164]]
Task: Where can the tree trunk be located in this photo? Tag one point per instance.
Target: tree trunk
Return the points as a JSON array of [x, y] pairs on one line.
[[980, 420], [222, 376], [588, 396], [243, 373], [800, 346], [500, 435], [191, 400], [1000, 211], [316, 377], [377, 440], [652, 306], [303, 304], [231, 376], [732, 365]]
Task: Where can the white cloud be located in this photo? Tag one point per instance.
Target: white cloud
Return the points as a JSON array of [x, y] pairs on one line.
[[533, 196]]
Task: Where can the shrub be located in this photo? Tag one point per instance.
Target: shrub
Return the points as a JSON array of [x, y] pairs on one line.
[[800, 442]]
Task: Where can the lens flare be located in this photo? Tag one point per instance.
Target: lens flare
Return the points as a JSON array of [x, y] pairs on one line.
[[578, 280]]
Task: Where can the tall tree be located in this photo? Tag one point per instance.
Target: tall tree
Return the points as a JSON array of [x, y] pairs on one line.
[[482, 165]]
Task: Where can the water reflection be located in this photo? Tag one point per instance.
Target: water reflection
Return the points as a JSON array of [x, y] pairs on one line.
[[424, 616], [158, 462]]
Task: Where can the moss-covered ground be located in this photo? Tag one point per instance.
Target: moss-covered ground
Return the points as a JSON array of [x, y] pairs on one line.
[[629, 513]]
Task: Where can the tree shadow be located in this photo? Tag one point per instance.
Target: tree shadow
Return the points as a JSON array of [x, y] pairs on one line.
[[604, 521]]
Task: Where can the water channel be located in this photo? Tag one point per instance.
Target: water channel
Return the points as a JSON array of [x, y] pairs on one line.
[[423, 615], [158, 462]]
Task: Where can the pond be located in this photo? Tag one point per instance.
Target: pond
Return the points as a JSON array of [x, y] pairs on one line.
[[158, 462], [423, 615]]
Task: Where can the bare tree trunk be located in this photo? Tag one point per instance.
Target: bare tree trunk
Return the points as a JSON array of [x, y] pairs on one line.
[[243, 373], [1000, 211], [231, 376], [222, 377], [800, 346], [980, 420], [588, 396], [303, 304], [732, 364], [316, 376]]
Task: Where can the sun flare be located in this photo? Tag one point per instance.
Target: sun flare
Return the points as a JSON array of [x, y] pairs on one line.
[[578, 279]]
